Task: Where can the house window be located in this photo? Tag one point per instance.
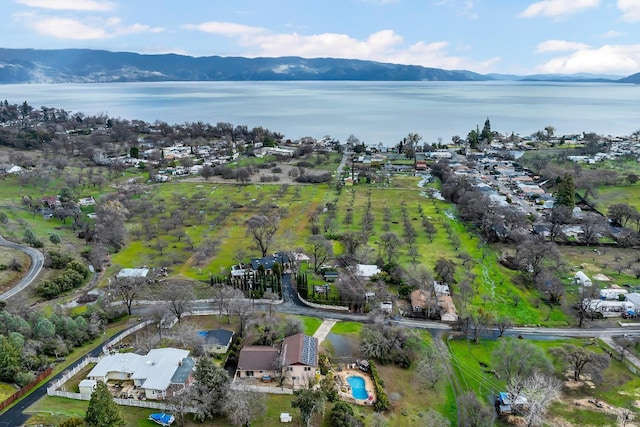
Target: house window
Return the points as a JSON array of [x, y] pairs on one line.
[[307, 368], [289, 369], [249, 373]]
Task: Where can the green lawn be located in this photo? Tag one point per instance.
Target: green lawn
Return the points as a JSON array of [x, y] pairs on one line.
[[6, 390], [346, 328], [311, 324]]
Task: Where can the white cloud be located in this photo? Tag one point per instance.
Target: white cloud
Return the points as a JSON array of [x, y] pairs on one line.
[[616, 59], [383, 46], [560, 46], [229, 29], [462, 7], [557, 8], [630, 10], [88, 29], [86, 5], [610, 34]]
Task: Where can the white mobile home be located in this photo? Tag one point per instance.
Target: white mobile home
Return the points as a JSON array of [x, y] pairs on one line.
[[582, 279], [612, 293], [607, 308]]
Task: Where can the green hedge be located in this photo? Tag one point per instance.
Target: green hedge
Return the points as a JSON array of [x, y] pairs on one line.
[[382, 401]]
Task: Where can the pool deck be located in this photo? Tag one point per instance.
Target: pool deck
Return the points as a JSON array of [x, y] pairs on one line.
[[344, 390]]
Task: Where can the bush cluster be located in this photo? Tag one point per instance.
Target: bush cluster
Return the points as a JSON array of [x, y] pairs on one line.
[[71, 278], [314, 179]]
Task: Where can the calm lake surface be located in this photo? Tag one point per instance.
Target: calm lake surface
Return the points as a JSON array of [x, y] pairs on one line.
[[372, 111]]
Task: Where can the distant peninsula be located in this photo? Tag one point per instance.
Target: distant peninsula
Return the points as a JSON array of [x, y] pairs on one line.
[[18, 66]]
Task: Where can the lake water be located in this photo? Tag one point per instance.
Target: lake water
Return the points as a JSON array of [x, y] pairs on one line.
[[372, 111]]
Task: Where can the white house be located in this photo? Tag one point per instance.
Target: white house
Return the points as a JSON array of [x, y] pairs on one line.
[[160, 373], [367, 270]]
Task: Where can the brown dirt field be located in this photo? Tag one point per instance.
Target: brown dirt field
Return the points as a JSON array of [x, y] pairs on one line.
[[9, 278]]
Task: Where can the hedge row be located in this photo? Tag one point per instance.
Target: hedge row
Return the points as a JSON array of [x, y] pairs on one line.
[[382, 402]]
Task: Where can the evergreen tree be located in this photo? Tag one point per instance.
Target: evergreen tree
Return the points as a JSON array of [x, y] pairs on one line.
[[472, 138], [102, 410], [486, 133], [9, 359], [565, 195]]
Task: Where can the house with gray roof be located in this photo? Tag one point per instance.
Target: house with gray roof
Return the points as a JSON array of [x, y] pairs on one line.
[[217, 340], [159, 373], [296, 359]]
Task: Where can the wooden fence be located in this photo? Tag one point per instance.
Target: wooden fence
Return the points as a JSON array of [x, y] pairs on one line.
[[18, 394]]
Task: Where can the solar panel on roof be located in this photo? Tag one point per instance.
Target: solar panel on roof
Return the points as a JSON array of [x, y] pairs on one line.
[[308, 350]]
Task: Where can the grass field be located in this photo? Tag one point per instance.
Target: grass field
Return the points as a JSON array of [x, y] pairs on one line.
[[621, 193], [8, 276], [6, 390], [619, 387]]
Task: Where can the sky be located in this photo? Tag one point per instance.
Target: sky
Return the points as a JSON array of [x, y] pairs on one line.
[[486, 36]]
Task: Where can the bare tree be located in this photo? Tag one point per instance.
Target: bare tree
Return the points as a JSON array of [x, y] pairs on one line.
[[429, 369], [550, 285], [587, 305], [502, 324], [241, 308], [388, 343], [224, 295], [480, 321], [110, 224], [473, 412], [389, 247], [533, 255], [128, 289], [262, 228], [157, 314], [244, 406], [582, 361], [532, 396], [179, 297], [515, 358], [320, 249], [592, 228], [445, 270]]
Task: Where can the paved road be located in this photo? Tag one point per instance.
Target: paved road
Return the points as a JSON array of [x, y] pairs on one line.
[[37, 261]]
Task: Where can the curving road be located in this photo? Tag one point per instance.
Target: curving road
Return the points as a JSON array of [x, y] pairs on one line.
[[37, 261]]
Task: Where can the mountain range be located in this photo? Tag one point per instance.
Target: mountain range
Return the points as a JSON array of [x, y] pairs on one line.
[[99, 66]]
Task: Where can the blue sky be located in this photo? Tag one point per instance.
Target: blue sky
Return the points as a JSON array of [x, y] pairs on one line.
[[502, 36]]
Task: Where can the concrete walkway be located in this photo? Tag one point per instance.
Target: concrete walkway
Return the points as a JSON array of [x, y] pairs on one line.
[[324, 329]]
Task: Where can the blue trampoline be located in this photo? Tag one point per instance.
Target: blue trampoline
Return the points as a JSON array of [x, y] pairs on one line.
[[162, 419]]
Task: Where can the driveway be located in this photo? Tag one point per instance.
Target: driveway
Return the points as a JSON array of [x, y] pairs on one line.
[[37, 261]]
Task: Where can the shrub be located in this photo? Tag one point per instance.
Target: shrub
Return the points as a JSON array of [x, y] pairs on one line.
[[314, 179], [382, 402], [24, 378], [72, 422], [58, 261], [69, 279]]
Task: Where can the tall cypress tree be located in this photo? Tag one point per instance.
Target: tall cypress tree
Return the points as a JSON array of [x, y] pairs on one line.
[[486, 134], [102, 410], [566, 193]]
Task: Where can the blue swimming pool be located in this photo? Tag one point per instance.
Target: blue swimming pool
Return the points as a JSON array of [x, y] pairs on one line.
[[358, 391]]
